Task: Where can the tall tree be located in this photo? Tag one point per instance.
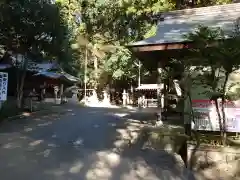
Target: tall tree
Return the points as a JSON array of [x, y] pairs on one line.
[[30, 26], [119, 23], [219, 58]]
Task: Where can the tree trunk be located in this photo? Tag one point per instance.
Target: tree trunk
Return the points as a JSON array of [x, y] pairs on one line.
[[20, 90], [20, 82], [183, 150], [95, 66], [219, 119], [95, 63], [224, 138], [192, 111]]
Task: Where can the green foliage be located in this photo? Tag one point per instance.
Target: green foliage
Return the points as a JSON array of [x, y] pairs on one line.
[[120, 22], [50, 30], [219, 56], [216, 54], [30, 26], [204, 54]]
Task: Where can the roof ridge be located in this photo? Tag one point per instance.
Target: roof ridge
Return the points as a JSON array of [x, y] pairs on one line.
[[203, 10]]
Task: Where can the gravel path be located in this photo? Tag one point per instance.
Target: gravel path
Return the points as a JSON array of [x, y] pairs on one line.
[[82, 144]]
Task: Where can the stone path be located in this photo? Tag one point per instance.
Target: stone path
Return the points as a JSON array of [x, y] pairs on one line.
[[82, 144]]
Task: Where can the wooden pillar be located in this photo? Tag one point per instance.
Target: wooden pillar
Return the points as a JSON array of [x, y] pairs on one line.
[[124, 97], [160, 98], [184, 84], [61, 92], [159, 82], [56, 89], [165, 92]]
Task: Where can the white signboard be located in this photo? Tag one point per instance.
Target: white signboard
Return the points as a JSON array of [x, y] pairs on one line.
[[3, 86], [206, 117]]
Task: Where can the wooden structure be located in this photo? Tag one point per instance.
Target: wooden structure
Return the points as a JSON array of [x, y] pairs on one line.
[[174, 25], [170, 43], [147, 94], [42, 77]]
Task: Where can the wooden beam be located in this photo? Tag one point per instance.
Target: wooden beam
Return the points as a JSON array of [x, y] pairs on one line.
[[159, 47]]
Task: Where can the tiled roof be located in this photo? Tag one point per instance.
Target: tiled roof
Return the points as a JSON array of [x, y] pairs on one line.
[[4, 66], [47, 69], [38, 67], [178, 23], [58, 75]]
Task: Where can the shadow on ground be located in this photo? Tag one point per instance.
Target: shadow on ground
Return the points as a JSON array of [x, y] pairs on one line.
[[83, 144]]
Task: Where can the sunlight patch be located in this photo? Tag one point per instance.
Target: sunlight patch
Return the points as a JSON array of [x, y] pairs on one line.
[[78, 142], [52, 145], [35, 143], [112, 159], [54, 136], [26, 114], [119, 143], [124, 133], [112, 124], [121, 114], [76, 168], [104, 163], [28, 129], [37, 119], [10, 146], [99, 174], [45, 124], [56, 172], [45, 153]]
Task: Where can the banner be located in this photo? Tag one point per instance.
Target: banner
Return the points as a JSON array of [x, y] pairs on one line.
[[3, 86], [206, 116]]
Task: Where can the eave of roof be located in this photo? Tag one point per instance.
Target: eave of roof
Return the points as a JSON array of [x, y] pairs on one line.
[[176, 24], [58, 75]]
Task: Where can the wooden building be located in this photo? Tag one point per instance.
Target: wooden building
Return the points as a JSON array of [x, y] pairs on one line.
[[39, 76], [156, 53]]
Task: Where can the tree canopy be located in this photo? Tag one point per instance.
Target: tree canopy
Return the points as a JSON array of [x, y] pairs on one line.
[[31, 26], [49, 28]]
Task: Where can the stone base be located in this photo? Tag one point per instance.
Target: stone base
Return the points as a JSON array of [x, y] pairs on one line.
[[166, 138], [74, 99], [211, 162]]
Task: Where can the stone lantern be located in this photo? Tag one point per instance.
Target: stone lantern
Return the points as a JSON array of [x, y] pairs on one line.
[[124, 97]]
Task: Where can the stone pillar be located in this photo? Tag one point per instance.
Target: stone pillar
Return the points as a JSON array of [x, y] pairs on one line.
[[159, 82], [56, 89], [106, 100], [124, 97], [139, 102], [143, 102], [160, 96], [128, 98], [61, 92], [132, 96], [74, 99]]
